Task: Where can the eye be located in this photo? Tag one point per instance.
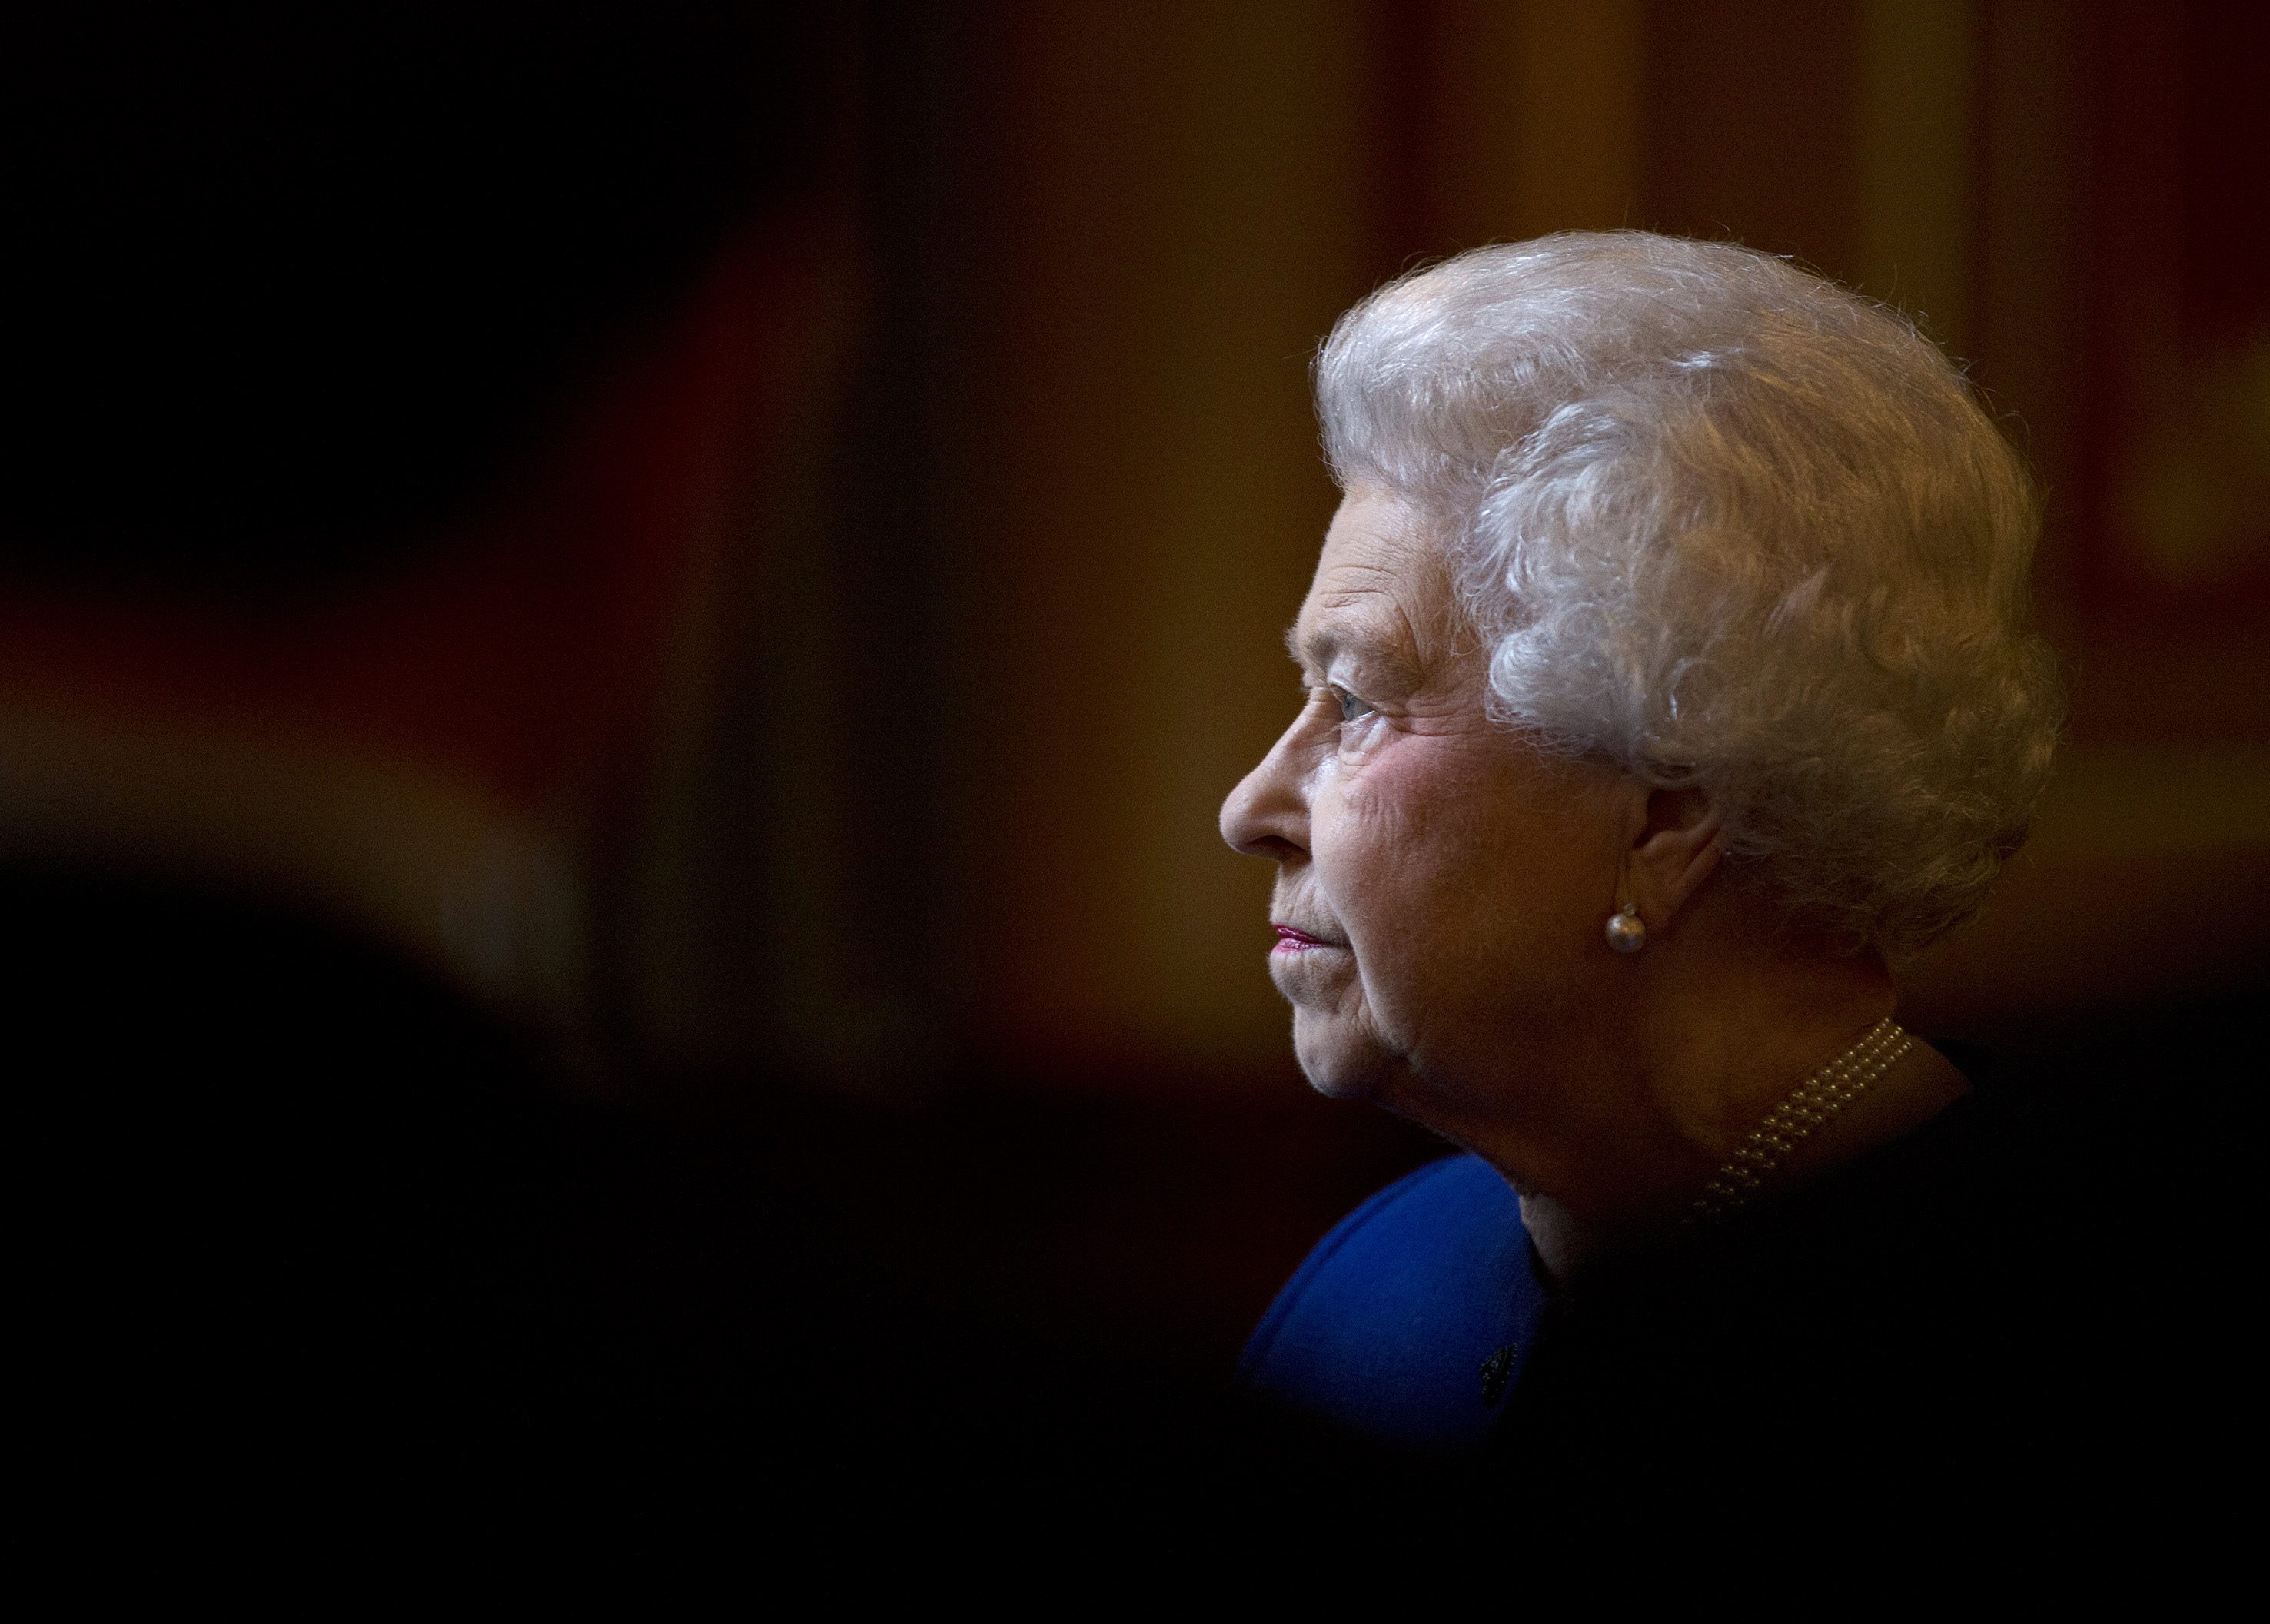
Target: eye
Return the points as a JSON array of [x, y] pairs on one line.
[[1352, 708]]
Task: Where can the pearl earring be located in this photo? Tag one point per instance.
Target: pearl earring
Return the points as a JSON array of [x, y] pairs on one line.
[[1627, 932]]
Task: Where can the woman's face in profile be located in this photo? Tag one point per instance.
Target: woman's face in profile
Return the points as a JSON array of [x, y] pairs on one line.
[[1440, 885]]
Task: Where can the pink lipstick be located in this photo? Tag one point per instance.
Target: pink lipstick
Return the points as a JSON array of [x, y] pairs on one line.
[[1289, 940]]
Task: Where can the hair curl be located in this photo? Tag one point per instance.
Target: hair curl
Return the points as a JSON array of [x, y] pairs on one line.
[[1728, 526]]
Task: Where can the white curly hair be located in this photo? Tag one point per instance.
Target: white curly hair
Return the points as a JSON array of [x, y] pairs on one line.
[[1726, 525]]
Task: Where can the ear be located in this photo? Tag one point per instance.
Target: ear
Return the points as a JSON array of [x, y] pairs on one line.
[[1674, 847]]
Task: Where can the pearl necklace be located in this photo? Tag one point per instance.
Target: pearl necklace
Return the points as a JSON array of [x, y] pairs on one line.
[[1817, 1099]]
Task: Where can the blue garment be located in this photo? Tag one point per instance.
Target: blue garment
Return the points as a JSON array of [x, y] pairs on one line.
[[1411, 1321]]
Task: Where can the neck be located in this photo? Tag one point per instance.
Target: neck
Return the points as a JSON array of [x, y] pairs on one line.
[[1909, 1093], [1730, 1035], [1717, 1022]]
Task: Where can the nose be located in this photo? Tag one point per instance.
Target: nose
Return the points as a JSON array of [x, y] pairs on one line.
[[1267, 814]]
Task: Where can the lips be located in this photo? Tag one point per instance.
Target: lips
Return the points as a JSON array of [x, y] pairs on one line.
[[1292, 940]]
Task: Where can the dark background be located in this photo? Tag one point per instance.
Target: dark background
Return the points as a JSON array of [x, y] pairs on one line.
[[923, 814]]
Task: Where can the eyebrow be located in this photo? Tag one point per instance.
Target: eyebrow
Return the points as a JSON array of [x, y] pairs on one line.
[[1315, 651]]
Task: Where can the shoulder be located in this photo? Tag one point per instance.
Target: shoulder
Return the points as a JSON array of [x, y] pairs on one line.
[[1387, 1325]]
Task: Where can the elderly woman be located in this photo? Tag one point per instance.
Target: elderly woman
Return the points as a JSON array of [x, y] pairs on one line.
[[1667, 682]]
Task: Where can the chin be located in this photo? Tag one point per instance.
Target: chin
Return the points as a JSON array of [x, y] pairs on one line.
[[1336, 1067]]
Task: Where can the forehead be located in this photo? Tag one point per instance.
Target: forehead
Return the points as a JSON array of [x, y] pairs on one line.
[[1382, 585]]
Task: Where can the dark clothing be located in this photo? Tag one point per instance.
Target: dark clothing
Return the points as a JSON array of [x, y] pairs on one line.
[[1988, 1310], [1913, 1314]]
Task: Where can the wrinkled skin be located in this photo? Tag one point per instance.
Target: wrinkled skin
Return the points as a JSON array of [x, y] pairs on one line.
[[1459, 875]]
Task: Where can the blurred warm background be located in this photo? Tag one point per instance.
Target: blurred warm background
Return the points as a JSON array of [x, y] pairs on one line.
[[949, 785], [1072, 495]]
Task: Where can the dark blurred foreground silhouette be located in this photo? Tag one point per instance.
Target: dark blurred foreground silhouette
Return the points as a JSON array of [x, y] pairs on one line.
[[391, 380]]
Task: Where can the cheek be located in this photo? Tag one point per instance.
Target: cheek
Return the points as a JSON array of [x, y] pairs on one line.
[[1409, 856], [1414, 810], [1451, 868], [1367, 833]]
